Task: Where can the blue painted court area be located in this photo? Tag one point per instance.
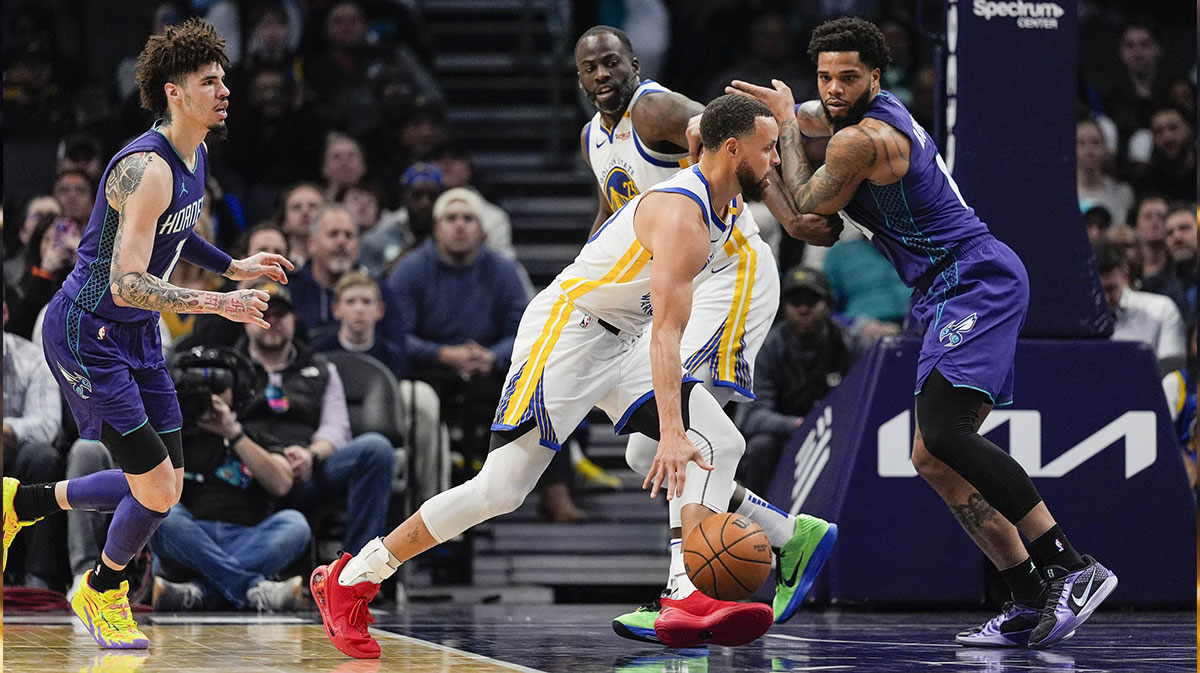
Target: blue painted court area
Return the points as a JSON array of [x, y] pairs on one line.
[[579, 638]]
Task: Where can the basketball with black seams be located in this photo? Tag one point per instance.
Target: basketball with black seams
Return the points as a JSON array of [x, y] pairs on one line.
[[727, 556]]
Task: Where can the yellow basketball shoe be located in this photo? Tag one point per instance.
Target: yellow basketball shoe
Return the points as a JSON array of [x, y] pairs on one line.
[[11, 525], [107, 616]]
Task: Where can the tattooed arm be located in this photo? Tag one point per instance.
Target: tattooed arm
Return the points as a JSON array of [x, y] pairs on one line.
[[799, 156], [869, 149], [259, 264], [139, 189]]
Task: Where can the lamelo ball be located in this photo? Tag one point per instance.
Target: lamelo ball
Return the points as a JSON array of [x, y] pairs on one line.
[[727, 556]]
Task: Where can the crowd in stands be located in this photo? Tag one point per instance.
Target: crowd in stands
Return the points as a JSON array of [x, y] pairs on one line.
[[339, 156]]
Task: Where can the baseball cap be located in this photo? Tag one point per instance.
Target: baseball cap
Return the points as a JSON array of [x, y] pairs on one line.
[[473, 201], [806, 278], [279, 295], [422, 172]]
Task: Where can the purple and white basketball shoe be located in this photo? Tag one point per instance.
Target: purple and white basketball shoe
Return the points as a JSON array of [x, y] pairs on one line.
[[1071, 599], [1010, 628]]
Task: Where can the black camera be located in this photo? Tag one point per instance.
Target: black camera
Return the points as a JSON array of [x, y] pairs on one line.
[[204, 371]]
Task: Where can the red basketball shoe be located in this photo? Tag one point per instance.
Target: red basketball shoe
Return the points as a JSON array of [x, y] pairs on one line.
[[698, 619], [344, 610]]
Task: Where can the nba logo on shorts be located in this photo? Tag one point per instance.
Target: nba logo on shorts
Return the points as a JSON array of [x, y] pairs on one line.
[[952, 333]]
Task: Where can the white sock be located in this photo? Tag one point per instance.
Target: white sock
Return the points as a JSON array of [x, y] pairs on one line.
[[679, 585], [373, 563], [778, 524]]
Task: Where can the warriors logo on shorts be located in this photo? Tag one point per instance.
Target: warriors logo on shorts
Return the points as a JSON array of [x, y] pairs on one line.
[[954, 331]]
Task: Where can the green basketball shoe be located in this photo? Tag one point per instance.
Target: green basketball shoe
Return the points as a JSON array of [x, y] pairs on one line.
[[639, 624], [800, 561]]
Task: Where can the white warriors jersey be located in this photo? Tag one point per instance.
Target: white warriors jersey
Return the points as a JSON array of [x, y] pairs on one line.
[[625, 167], [610, 279]]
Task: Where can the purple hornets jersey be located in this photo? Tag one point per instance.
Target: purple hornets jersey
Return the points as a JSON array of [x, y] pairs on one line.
[[88, 284], [920, 222]]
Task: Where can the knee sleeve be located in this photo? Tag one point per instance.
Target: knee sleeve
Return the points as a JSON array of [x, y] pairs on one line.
[[639, 452], [140, 450], [721, 445], [508, 475], [946, 416], [174, 443]]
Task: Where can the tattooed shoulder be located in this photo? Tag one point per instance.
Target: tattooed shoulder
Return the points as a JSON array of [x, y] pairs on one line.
[[125, 177], [851, 151], [893, 147], [812, 120]]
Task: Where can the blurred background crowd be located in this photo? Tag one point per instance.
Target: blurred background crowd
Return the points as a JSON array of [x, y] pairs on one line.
[[418, 160]]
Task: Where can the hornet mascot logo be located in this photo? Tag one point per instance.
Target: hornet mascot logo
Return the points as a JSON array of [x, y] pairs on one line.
[[952, 334], [78, 382]]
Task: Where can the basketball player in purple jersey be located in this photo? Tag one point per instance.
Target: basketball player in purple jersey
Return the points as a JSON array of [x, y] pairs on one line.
[[101, 336], [883, 174]]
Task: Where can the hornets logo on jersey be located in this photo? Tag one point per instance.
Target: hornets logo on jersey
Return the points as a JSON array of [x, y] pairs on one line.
[[619, 187]]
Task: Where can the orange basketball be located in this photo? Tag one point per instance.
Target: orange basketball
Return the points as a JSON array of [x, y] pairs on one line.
[[727, 556]]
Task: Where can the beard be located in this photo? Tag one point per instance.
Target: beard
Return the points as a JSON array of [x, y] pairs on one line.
[[622, 94], [853, 115], [218, 131], [339, 264], [752, 189]]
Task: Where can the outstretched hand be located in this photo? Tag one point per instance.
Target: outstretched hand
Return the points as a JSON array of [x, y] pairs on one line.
[[260, 264], [779, 98], [670, 465], [244, 306]]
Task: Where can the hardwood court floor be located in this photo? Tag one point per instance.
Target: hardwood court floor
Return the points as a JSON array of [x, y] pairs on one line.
[[578, 638]]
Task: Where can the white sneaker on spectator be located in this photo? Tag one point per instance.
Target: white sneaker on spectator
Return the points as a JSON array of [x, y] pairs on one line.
[[177, 596], [268, 596]]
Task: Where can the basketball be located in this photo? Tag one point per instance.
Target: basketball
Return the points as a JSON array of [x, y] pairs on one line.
[[727, 556]]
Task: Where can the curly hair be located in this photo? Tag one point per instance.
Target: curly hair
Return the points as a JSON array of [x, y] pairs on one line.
[[729, 116], [173, 54], [851, 34]]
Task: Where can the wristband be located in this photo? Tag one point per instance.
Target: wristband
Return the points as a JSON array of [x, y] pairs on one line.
[[42, 273], [237, 438], [205, 255]]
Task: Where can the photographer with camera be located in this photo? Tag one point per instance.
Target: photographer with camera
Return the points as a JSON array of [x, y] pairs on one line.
[[225, 527], [302, 402]]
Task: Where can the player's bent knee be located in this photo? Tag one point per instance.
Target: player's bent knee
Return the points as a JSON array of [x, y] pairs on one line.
[[923, 461], [639, 453], [937, 442], [157, 500], [500, 498]]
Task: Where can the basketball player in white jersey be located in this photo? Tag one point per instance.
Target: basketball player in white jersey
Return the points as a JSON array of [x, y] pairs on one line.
[[636, 139], [584, 341]]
